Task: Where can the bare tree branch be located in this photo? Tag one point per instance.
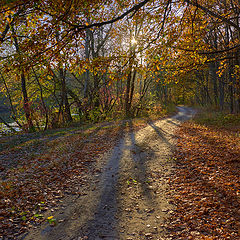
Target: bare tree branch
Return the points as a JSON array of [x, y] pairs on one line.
[[213, 14], [4, 33], [99, 24]]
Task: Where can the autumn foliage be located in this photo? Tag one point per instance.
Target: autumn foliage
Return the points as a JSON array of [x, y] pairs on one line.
[[39, 182], [206, 185], [89, 61]]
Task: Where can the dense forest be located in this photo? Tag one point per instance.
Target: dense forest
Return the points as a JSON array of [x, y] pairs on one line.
[[63, 61]]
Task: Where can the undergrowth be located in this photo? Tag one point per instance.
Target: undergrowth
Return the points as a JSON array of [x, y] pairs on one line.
[[218, 119]]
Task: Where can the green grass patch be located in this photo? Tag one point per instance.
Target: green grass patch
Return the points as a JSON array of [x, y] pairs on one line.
[[218, 119], [22, 140]]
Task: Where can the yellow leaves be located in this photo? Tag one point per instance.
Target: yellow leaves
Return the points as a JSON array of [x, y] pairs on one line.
[[52, 221], [111, 77], [7, 15], [8, 19], [222, 68]]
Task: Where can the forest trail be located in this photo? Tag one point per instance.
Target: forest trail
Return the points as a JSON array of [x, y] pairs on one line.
[[130, 198]]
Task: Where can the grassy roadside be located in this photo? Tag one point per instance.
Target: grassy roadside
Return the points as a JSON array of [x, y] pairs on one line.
[[11, 141], [206, 184], [218, 119]]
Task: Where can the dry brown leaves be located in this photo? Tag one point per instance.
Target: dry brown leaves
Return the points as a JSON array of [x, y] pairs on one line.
[[206, 184], [37, 184]]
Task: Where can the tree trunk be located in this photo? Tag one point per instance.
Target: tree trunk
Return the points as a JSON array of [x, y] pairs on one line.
[[14, 116], [213, 77], [87, 74], [42, 100], [127, 97], [26, 104], [230, 72], [132, 86], [66, 110]]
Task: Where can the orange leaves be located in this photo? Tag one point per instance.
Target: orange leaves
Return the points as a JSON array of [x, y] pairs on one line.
[[207, 179], [39, 181]]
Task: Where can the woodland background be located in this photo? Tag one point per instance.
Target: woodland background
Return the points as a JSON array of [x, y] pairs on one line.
[[64, 61], [76, 73]]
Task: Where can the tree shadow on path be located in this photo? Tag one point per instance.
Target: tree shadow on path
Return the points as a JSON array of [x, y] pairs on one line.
[[161, 133], [104, 223]]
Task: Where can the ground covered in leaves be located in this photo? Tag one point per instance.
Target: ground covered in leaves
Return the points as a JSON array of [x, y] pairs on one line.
[[37, 173], [206, 186]]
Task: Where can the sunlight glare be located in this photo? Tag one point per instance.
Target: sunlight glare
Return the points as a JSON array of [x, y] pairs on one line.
[[134, 41]]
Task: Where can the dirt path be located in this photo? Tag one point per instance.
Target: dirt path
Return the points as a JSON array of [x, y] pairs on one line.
[[129, 199]]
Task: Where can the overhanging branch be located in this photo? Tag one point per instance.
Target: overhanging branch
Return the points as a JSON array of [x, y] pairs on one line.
[[213, 14], [99, 24]]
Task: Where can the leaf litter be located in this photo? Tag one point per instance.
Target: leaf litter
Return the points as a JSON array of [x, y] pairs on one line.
[[39, 182], [206, 184]]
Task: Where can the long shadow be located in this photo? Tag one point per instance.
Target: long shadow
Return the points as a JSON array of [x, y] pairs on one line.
[[160, 133], [140, 156], [34, 142], [104, 223], [173, 123]]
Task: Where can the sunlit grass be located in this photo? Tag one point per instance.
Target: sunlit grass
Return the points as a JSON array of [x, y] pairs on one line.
[[218, 119]]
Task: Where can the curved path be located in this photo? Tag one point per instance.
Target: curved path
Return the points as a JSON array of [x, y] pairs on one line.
[[130, 199]]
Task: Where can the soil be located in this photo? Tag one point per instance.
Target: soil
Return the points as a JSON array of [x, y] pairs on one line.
[[126, 197]]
